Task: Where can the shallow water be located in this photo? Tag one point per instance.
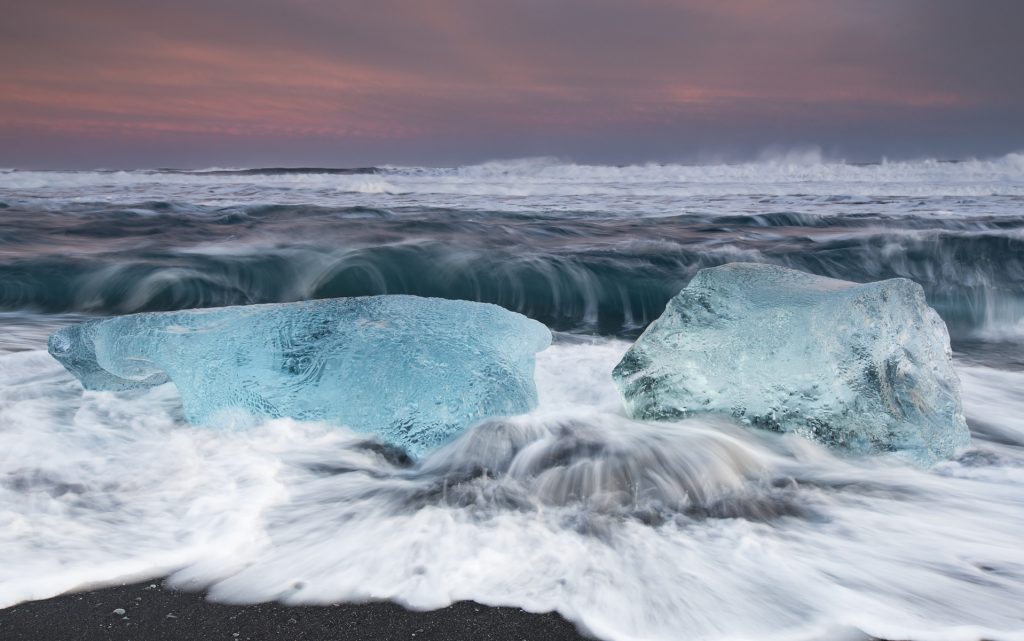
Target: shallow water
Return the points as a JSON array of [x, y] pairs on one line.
[[698, 529]]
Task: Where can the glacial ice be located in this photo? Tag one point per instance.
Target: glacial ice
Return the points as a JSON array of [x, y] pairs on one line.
[[865, 368], [414, 371]]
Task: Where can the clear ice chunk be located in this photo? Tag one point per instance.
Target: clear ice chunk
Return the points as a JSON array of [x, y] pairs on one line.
[[414, 371], [861, 367]]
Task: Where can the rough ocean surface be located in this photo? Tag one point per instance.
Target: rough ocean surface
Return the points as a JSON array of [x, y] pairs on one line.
[[413, 371], [865, 368], [628, 528]]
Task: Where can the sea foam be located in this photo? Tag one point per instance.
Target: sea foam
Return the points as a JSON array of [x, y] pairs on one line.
[[622, 526]]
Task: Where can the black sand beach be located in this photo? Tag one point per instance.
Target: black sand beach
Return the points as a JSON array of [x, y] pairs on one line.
[[153, 613]]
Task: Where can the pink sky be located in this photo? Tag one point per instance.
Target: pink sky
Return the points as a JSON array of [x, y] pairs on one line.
[[193, 83]]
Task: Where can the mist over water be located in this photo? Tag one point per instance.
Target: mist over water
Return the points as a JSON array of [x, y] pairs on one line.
[[700, 529]]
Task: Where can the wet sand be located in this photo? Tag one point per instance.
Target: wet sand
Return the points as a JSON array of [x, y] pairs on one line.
[[153, 613]]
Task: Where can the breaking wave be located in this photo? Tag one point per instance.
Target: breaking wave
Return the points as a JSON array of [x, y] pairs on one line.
[[611, 276], [805, 173]]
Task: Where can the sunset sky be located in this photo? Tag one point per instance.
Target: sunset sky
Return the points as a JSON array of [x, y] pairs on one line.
[[194, 83]]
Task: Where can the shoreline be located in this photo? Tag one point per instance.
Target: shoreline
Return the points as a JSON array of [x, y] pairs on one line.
[[154, 613]]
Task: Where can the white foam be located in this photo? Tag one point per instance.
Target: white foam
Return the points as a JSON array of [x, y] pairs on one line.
[[769, 537], [528, 183], [995, 398]]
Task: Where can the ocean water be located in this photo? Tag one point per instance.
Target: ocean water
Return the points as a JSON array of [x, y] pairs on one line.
[[696, 530]]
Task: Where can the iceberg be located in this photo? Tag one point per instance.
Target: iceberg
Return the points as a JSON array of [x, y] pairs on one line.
[[414, 371], [865, 368]]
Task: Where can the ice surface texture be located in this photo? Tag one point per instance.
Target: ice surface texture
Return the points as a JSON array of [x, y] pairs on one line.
[[415, 371], [861, 367]]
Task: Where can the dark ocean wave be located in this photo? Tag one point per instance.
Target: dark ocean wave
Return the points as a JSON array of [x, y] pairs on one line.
[[280, 171], [605, 285], [579, 271]]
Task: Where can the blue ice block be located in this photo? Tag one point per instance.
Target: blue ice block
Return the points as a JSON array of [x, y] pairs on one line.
[[865, 368], [414, 371]]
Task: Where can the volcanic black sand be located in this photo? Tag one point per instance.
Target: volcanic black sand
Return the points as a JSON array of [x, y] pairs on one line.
[[153, 613]]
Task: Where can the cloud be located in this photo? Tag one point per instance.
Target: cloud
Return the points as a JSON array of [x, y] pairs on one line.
[[483, 78]]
